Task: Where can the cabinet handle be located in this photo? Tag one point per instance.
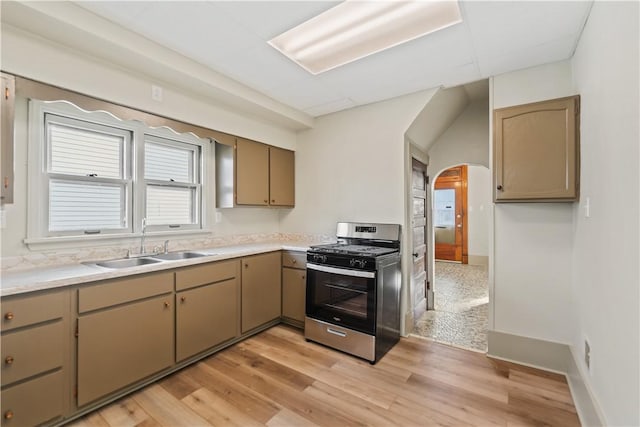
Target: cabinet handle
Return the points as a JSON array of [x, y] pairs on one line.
[[9, 316], [293, 261], [167, 305], [499, 187], [246, 265], [273, 200], [183, 299], [8, 360], [8, 415], [266, 201], [303, 277]]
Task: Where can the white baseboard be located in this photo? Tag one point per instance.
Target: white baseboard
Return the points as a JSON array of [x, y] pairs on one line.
[[550, 356], [478, 260]]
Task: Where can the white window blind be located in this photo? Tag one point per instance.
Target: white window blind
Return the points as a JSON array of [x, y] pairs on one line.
[[172, 182], [85, 206], [86, 171]]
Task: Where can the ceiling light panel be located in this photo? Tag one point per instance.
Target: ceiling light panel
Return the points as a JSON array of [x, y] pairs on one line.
[[355, 29]]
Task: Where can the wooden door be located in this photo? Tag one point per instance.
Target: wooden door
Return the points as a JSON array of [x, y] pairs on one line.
[[281, 177], [261, 290], [252, 172], [449, 217], [421, 289], [536, 154]]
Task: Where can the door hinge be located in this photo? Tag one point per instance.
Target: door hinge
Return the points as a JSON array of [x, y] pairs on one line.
[[77, 331], [6, 93], [427, 178]]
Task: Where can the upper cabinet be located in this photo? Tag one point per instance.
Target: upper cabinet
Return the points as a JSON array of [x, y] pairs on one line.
[[536, 151], [6, 142], [250, 173]]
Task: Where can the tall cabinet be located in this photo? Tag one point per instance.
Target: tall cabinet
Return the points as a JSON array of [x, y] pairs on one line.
[[536, 151]]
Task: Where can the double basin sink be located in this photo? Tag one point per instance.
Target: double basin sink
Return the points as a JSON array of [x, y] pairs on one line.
[[151, 259]]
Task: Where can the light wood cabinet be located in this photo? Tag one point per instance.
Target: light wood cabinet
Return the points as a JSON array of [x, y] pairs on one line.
[[206, 315], [536, 151], [261, 290], [254, 174], [120, 345], [294, 285], [36, 351], [281, 177], [7, 106]]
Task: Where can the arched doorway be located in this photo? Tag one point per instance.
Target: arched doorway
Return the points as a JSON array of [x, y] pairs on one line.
[[461, 199]]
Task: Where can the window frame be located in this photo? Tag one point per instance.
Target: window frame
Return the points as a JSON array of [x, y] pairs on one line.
[[39, 176]]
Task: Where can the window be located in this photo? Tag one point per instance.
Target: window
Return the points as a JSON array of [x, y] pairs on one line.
[[92, 174], [172, 185]]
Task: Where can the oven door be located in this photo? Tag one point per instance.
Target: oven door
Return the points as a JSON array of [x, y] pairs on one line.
[[341, 296]]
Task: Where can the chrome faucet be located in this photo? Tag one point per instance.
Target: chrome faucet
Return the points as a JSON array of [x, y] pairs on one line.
[[166, 246], [144, 230]]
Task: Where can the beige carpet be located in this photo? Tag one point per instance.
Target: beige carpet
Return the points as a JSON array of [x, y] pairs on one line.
[[461, 307]]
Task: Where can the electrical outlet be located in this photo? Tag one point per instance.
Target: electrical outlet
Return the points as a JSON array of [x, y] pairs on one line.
[[587, 207], [587, 354], [156, 93]]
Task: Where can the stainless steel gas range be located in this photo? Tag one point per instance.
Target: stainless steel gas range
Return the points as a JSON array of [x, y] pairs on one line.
[[353, 290]]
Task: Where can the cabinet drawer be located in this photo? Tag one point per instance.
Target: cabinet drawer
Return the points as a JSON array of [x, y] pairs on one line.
[[33, 402], [203, 274], [123, 290], [29, 352], [27, 310], [294, 259]]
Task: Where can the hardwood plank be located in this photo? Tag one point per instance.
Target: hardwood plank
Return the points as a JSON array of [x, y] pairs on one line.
[[179, 385], [255, 405], [287, 418], [166, 410], [315, 411], [217, 410], [93, 419], [125, 413]]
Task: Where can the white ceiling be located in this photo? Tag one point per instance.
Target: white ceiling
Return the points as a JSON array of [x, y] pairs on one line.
[[231, 37]]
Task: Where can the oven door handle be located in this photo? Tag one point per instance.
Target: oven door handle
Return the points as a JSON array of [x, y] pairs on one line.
[[342, 271]]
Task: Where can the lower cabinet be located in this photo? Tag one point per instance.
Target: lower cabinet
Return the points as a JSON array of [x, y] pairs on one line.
[[294, 284], [205, 317], [261, 291], [120, 345], [34, 402]]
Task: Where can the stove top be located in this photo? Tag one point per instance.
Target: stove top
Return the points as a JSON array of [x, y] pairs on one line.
[[350, 249]]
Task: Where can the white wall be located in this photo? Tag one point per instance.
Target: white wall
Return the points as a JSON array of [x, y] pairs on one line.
[[606, 255], [466, 141], [350, 166], [478, 208], [533, 242], [56, 65]]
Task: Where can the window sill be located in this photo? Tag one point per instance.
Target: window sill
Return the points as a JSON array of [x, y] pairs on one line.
[[74, 242]]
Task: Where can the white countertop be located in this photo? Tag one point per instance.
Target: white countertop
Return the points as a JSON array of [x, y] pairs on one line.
[[35, 279]]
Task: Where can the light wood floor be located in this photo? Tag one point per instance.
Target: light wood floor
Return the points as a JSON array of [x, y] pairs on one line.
[[278, 379]]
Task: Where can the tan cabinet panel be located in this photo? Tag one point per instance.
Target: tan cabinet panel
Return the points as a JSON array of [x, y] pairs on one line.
[[31, 309], [281, 177], [32, 351], [293, 293], [536, 151], [261, 290], [252, 172], [205, 317], [34, 402], [119, 346], [294, 259], [190, 277], [120, 291]]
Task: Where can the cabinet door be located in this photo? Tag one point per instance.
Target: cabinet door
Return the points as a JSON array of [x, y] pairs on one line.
[[536, 151], [34, 402], [261, 293], [205, 317], [281, 177], [252, 173], [119, 346], [293, 291]]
